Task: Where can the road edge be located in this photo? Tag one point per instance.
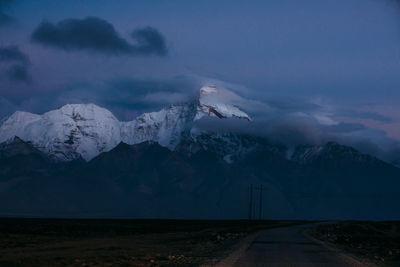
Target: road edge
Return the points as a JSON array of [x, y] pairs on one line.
[[238, 251], [346, 256]]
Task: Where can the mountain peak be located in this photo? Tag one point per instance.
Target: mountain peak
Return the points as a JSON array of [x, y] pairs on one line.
[[85, 112], [217, 102], [208, 89]]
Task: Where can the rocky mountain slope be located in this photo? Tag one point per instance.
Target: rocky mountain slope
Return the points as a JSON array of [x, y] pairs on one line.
[[147, 180]]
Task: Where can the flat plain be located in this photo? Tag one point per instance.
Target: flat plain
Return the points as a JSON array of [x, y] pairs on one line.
[[122, 242]]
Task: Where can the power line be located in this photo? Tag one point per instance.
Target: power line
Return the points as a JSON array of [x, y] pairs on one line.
[[260, 207], [251, 202]]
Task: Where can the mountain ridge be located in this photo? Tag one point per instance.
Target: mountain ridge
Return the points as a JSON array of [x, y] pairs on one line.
[[151, 181], [86, 130]]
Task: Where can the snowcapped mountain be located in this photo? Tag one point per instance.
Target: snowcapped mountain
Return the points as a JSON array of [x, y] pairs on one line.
[[86, 130], [211, 103], [164, 127], [67, 133], [179, 169]]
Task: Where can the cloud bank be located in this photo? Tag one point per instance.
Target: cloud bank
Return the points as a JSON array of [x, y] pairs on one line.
[[149, 41]]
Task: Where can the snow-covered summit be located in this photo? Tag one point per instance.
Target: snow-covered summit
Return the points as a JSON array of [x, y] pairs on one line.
[[164, 127], [73, 131], [213, 102], [86, 130]]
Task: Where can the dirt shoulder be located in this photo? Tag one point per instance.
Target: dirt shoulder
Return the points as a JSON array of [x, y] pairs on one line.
[[376, 242]]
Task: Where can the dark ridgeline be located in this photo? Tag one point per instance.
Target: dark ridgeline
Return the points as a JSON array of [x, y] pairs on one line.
[[149, 181]]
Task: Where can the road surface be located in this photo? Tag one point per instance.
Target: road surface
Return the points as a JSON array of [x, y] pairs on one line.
[[288, 246]]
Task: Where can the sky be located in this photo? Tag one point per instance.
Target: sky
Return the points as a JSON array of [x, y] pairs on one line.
[[318, 69]]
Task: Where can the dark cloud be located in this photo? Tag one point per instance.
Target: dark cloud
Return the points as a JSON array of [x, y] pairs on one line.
[[149, 41], [12, 53], [5, 19], [98, 35], [87, 34], [14, 64], [19, 73]]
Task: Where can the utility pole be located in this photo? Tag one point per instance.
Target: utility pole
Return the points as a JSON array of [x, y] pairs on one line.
[[251, 202], [260, 206]]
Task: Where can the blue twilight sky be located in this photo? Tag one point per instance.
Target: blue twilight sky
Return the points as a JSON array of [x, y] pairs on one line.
[[337, 61]]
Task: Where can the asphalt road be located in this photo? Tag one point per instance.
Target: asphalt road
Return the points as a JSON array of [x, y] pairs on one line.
[[288, 246]]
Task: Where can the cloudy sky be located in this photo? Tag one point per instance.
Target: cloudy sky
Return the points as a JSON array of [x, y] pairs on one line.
[[333, 66]]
